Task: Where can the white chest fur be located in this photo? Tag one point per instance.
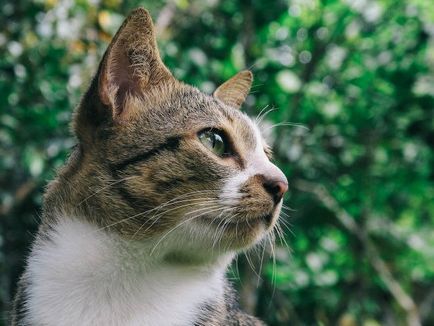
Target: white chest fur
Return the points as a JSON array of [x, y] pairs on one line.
[[83, 276]]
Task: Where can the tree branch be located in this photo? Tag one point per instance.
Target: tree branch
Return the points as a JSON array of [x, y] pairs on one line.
[[348, 222]]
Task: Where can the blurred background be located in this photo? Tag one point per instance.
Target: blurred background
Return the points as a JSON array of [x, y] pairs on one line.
[[357, 75]]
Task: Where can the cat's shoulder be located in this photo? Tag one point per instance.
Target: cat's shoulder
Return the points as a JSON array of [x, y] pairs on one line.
[[227, 312]]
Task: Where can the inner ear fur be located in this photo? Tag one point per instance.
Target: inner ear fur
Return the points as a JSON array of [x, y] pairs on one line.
[[234, 91], [132, 65]]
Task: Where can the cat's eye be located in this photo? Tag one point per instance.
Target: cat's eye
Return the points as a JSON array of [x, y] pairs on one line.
[[215, 141]]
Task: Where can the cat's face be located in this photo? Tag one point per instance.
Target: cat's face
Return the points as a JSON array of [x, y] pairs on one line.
[[184, 163]]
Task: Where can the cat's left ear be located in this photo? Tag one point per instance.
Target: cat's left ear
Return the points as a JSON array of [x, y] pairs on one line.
[[131, 65], [234, 91]]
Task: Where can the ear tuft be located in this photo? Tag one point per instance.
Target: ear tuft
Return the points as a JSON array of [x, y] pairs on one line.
[[234, 91]]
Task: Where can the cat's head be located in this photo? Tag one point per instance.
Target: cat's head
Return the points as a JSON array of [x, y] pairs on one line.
[[170, 159]]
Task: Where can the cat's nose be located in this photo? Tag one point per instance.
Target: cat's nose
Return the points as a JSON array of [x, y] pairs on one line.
[[276, 188]]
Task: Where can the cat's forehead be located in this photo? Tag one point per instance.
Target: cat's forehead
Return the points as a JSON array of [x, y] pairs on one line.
[[222, 116], [241, 126], [190, 109]]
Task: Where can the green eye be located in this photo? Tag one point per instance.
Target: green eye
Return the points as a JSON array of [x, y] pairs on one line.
[[215, 142]]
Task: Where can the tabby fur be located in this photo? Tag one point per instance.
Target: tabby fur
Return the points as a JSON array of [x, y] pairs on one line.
[[141, 223]]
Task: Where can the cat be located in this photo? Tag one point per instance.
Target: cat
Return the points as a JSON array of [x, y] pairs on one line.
[[165, 185]]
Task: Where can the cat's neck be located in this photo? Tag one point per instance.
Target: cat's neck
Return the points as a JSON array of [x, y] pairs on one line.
[[82, 273]]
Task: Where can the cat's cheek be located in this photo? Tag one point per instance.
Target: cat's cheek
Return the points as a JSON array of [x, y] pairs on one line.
[[230, 194]]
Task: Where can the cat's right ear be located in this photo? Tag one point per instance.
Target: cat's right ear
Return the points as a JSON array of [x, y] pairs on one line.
[[131, 65], [234, 91]]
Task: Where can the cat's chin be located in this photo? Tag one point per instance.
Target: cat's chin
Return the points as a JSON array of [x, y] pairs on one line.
[[241, 233], [243, 225]]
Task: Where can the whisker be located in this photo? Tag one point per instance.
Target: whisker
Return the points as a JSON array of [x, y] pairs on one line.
[[261, 263], [273, 273], [287, 229], [173, 201], [281, 235], [298, 125], [246, 254], [219, 234], [202, 201], [284, 221], [259, 121], [159, 215], [288, 208], [237, 268], [179, 225], [260, 112], [104, 188]]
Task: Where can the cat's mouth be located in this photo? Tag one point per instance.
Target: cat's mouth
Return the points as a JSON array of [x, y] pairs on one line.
[[240, 224]]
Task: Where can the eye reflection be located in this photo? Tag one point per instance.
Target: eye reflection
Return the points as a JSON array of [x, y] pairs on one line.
[[215, 141]]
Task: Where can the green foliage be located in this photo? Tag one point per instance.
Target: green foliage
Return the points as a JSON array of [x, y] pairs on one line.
[[357, 74]]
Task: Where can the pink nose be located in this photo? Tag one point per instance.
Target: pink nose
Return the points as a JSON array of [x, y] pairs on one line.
[[276, 188]]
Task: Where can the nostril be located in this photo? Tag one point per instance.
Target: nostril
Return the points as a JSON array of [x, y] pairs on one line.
[[276, 189]]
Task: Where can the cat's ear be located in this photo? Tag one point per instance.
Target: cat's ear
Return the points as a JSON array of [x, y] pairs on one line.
[[234, 91], [131, 65]]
